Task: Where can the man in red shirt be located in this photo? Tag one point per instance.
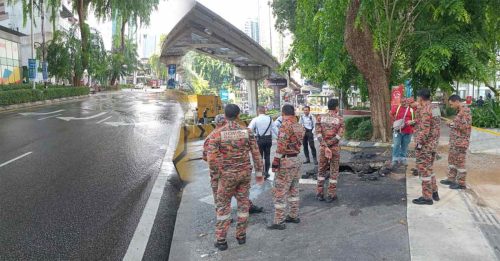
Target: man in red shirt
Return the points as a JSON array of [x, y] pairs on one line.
[[404, 117]]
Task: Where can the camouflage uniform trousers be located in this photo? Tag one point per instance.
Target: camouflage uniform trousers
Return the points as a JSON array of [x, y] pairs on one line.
[[331, 164], [425, 160], [214, 184], [456, 165], [231, 184], [286, 188]]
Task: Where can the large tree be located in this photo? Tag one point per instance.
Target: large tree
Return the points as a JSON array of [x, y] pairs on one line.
[[384, 40], [126, 12]]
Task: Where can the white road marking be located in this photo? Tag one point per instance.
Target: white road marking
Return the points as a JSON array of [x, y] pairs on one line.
[[41, 119], [105, 119], [308, 181], [117, 124], [84, 118], [140, 239], [12, 160], [40, 113]]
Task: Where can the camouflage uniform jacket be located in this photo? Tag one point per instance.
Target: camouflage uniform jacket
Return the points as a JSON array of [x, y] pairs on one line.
[[426, 124], [229, 148], [329, 128], [460, 132], [436, 123], [205, 146], [290, 137]]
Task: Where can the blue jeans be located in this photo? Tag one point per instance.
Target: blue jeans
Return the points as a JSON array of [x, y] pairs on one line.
[[400, 147]]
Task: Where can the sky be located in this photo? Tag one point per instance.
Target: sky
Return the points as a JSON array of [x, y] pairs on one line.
[[234, 11]]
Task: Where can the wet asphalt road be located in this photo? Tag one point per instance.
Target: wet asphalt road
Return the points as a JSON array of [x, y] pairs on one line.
[[79, 190]]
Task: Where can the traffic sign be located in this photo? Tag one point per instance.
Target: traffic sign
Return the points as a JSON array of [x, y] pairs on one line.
[[224, 95]]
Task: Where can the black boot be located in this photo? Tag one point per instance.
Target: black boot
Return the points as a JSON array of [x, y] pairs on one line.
[[320, 197], [330, 199], [457, 186], [221, 245], [292, 220], [277, 227], [254, 209], [446, 182], [422, 201], [242, 240], [315, 161], [307, 161], [435, 196]]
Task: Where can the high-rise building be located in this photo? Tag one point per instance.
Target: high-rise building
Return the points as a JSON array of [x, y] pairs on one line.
[[252, 29]]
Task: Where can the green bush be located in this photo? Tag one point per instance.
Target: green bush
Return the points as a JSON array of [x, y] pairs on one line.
[[358, 128], [487, 116], [12, 87], [364, 130], [449, 111], [359, 108], [28, 95], [126, 86]]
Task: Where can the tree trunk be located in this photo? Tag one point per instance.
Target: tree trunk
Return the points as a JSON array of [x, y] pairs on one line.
[[359, 45], [82, 8], [42, 17], [115, 76]]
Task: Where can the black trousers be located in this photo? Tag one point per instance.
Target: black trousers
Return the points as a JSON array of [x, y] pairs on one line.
[[307, 142], [265, 152]]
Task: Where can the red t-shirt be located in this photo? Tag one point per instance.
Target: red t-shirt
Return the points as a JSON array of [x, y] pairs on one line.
[[410, 115]]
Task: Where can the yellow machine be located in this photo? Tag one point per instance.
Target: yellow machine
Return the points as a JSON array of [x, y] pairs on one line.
[[212, 102]]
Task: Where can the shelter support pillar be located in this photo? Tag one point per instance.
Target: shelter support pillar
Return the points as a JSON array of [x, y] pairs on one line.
[[251, 75]]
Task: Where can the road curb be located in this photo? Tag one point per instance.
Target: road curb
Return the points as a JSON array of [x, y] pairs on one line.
[[15, 107]]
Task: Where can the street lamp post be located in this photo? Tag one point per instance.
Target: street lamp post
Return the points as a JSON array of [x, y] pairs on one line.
[[32, 42]]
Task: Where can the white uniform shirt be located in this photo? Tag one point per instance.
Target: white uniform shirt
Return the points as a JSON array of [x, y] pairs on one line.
[[307, 121], [260, 123]]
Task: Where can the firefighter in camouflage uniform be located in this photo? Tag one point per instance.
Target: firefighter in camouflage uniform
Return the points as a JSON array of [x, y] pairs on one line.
[[329, 130], [459, 143], [229, 150], [220, 121], [286, 165], [426, 140]]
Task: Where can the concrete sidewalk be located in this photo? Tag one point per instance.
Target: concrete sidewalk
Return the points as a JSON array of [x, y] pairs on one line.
[[371, 220], [367, 223]]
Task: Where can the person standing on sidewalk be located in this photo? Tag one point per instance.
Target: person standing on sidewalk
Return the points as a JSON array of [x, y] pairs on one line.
[[286, 165], [329, 130], [425, 148], [459, 143], [220, 121], [205, 116], [229, 150], [308, 122], [263, 127], [404, 117]]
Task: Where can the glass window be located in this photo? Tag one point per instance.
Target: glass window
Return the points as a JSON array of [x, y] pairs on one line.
[[8, 49], [3, 51], [3, 61], [16, 63], [15, 51]]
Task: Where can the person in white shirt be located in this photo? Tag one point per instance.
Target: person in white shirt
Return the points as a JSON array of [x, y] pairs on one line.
[[308, 122], [263, 128]]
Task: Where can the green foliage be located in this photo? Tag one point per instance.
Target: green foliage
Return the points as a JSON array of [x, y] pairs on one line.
[[487, 116], [449, 112], [358, 128], [158, 68], [207, 75], [10, 97], [125, 62]]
